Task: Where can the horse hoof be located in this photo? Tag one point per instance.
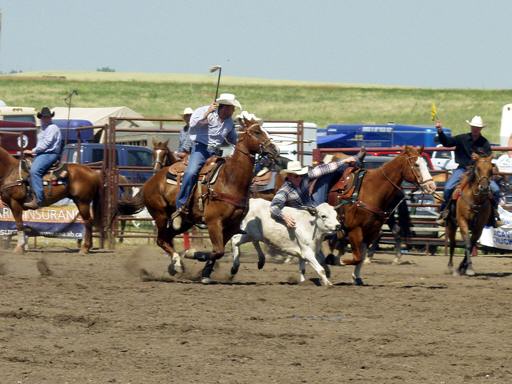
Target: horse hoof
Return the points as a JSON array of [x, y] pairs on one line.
[[83, 251], [261, 264], [234, 271], [358, 281], [330, 259], [368, 260], [172, 271], [396, 261], [327, 271], [470, 272], [206, 280], [19, 250]]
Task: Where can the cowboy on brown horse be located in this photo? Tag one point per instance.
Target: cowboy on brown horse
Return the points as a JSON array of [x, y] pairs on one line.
[[210, 126], [465, 145]]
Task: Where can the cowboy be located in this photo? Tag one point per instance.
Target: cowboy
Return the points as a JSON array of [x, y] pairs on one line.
[[46, 152], [465, 145], [185, 145], [210, 126], [295, 191]]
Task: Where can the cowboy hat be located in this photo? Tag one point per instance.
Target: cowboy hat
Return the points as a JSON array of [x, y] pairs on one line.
[[187, 111], [476, 121], [45, 112], [228, 99], [248, 116], [294, 167]]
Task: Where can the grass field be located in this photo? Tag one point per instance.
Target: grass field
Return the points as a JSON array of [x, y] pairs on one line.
[[167, 94]]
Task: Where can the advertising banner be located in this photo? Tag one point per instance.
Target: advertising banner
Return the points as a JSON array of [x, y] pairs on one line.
[[500, 237], [59, 220]]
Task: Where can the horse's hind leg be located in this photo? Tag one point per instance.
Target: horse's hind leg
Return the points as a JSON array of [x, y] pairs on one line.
[[17, 212], [451, 231], [85, 212]]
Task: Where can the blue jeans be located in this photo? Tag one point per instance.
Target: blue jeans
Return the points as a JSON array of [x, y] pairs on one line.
[[324, 184], [196, 160], [454, 180], [40, 165]]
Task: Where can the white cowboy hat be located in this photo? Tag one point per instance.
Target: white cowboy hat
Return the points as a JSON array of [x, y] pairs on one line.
[[476, 121], [187, 111], [228, 99], [294, 167], [248, 116]]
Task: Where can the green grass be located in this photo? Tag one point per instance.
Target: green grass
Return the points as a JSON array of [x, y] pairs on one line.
[[166, 95]]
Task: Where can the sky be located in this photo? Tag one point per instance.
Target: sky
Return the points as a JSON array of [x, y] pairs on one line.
[[434, 44]]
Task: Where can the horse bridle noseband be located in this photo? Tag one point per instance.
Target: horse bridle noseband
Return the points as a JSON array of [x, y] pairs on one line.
[[417, 177], [160, 161]]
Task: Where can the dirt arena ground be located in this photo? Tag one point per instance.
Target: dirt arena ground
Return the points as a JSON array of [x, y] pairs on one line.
[[66, 318]]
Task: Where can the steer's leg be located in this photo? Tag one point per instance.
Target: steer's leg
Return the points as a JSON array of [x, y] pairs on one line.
[[302, 270], [261, 255], [309, 255], [236, 242]]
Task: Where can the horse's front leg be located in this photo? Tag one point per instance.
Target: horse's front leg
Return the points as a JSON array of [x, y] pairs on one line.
[[216, 232], [165, 236], [355, 237], [464, 231], [85, 211], [17, 212]]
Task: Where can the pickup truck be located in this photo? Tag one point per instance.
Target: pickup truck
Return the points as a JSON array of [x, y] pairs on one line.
[[127, 155]]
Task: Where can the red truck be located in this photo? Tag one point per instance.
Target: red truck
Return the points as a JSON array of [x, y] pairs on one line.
[[26, 137]]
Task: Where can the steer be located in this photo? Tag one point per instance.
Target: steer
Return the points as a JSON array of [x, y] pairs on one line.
[[303, 241]]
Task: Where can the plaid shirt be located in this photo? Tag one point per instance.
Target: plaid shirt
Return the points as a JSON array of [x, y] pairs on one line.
[[290, 196]]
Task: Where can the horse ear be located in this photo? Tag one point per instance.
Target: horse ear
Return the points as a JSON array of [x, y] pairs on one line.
[[154, 142], [166, 142]]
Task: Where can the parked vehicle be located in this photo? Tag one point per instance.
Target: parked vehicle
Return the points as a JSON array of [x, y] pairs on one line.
[[19, 114], [444, 160], [126, 155], [370, 135], [15, 144]]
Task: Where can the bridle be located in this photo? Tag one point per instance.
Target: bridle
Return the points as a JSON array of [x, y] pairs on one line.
[[262, 145], [482, 190], [411, 161], [160, 155]]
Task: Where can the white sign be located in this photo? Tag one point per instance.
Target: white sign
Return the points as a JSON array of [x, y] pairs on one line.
[[500, 237]]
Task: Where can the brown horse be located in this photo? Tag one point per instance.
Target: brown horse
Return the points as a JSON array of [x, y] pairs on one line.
[[223, 205], [471, 212], [162, 155], [364, 217], [83, 186]]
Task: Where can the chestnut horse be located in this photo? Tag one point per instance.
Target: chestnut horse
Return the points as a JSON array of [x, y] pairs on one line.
[[224, 203], [471, 212], [83, 186], [364, 217]]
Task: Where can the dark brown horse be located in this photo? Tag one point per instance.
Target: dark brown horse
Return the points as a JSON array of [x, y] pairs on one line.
[[83, 186], [471, 212], [162, 155], [222, 206], [364, 218]]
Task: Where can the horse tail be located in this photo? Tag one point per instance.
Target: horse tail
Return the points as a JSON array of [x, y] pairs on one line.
[[131, 205]]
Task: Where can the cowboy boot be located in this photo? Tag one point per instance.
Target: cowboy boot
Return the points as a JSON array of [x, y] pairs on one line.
[[31, 204], [443, 215], [496, 216], [176, 219]]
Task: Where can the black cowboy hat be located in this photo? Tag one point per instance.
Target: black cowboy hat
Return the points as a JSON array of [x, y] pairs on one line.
[[45, 112]]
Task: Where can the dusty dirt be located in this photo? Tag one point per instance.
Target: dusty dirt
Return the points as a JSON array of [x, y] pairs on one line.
[[66, 318]]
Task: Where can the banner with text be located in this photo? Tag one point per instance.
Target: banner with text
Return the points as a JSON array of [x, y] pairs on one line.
[[58, 220]]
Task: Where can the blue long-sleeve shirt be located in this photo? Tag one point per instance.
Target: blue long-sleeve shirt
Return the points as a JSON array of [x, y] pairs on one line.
[[211, 131], [49, 140]]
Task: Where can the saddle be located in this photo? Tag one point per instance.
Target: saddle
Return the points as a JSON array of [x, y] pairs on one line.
[[347, 187], [263, 181], [207, 175], [56, 174]]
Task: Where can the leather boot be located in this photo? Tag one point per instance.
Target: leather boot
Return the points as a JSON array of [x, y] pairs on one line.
[[31, 204]]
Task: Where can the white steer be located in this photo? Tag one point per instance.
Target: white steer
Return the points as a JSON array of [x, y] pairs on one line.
[[303, 241]]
